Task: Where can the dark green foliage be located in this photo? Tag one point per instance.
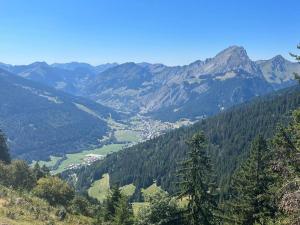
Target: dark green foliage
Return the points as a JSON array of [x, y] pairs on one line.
[[40, 172], [54, 190], [163, 210], [18, 175], [229, 135], [123, 213], [195, 183], [111, 203], [286, 167], [297, 57], [250, 196], [21, 175], [41, 121], [4, 154], [116, 209], [81, 205], [61, 213]]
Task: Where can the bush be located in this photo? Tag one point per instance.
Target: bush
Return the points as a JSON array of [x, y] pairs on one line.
[[54, 190], [17, 174]]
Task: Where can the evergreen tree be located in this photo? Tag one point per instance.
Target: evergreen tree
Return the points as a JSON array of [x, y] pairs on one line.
[[251, 200], [286, 165], [40, 172], [163, 210], [21, 176], [123, 213], [297, 57], [195, 183], [111, 203], [4, 154]]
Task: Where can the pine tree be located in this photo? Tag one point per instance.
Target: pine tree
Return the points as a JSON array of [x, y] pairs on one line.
[[251, 200], [4, 154], [195, 183], [123, 213], [286, 165], [297, 57], [111, 203]]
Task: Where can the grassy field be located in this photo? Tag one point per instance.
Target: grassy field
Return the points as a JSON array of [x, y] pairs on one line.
[[138, 206], [151, 191], [78, 157], [53, 160], [147, 193], [128, 190], [100, 188], [24, 209], [127, 136]]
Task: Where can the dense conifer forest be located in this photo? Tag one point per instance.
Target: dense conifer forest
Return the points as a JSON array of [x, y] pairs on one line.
[[229, 136]]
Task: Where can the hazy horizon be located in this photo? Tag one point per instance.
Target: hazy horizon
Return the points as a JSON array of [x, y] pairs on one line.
[[99, 32]]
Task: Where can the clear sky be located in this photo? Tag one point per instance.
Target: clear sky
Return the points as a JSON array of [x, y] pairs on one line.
[[157, 31]]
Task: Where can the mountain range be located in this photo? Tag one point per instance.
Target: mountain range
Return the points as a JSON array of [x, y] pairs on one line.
[[40, 121], [60, 108], [193, 91]]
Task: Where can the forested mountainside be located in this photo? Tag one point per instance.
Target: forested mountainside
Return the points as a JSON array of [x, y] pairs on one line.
[[229, 134], [264, 189], [40, 121], [167, 93], [157, 90]]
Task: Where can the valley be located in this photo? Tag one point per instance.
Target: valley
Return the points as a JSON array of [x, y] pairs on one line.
[[149, 112], [123, 135], [98, 110]]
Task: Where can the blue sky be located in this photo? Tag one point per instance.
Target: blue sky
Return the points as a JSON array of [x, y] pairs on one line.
[[157, 31]]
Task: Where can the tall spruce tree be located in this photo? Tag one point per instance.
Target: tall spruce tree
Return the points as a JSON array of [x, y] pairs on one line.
[[286, 165], [111, 203], [123, 212], [297, 57], [250, 198], [195, 182], [4, 154]]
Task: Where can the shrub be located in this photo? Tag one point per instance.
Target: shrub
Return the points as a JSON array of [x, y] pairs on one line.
[[54, 190]]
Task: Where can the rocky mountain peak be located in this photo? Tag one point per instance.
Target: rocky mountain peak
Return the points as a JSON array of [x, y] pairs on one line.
[[232, 55], [232, 58], [278, 60], [39, 64]]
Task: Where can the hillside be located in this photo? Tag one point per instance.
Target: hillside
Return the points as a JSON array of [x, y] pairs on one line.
[[168, 93], [68, 77], [40, 121], [229, 133], [24, 209]]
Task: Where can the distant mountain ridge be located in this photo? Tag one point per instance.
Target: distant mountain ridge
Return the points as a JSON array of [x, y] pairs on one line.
[[40, 121], [193, 91], [197, 90]]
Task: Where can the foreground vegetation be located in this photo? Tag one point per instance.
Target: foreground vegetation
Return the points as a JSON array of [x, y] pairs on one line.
[[263, 189], [229, 137]]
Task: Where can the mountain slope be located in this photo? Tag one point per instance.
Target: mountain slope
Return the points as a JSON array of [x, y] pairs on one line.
[[230, 134], [40, 121], [167, 93], [18, 208], [278, 71], [68, 77]]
